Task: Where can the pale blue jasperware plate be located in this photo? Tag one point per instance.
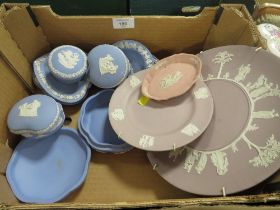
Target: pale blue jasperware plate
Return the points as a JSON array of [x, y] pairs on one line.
[[46, 170], [138, 55]]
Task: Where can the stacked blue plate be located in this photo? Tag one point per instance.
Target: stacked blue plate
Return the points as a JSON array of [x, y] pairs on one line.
[[95, 127]]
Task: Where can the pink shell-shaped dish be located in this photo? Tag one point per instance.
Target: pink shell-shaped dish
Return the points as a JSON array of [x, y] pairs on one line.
[[171, 76]]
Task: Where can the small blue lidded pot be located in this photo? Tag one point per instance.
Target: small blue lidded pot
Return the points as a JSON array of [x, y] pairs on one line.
[[68, 63], [108, 66], [36, 115], [67, 94]]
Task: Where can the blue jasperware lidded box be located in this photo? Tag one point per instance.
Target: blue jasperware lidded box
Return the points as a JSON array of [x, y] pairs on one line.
[[35, 115], [67, 94], [108, 66], [68, 63]]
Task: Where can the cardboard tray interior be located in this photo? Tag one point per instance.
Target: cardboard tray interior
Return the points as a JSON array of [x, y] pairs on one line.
[[125, 180]]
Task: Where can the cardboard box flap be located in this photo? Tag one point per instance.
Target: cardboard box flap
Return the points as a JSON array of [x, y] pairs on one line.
[[5, 156], [14, 58], [12, 90], [233, 27], [162, 34], [6, 194], [22, 25]]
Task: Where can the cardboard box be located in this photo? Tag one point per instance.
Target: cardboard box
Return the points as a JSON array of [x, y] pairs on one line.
[[113, 181]]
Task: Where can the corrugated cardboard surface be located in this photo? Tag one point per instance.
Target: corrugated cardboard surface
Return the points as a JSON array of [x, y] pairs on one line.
[[124, 180], [12, 89]]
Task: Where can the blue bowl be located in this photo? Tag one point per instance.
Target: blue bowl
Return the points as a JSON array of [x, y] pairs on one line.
[[67, 94], [138, 55], [95, 127], [46, 171]]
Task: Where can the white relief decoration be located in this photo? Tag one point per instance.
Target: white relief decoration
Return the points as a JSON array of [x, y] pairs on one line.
[[68, 59], [146, 141], [201, 93], [190, 130], [201, 162], [134, 81], [265, 114], [29, 110], [267, 154], [219, 159], [117, 114], [243, 71], [50, 127], [170, 79], [234, 147], [222, 58], [262, 89], [106, 65], [190, 160], [256, 91]]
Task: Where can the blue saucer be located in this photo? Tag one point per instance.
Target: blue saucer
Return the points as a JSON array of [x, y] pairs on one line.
[[47, 170], [138, 55], [67, 94], [95, 127]]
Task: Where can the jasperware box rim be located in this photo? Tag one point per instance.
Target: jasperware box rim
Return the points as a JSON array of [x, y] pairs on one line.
[[43, 38]]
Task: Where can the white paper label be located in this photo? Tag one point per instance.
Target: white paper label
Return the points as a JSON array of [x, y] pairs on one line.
[[123, 23]]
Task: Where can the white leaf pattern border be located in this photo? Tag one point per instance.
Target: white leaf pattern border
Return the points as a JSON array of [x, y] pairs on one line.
[[256, 91]]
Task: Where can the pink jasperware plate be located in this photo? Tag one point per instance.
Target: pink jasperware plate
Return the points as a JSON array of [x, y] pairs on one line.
[[241, 146], [171, 76], [159, 125]]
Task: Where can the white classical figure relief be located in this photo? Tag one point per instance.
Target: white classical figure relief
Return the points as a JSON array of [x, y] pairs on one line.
[[190, 130], [257, 90], [29, 110], [146, 141], [219, 159], [134, 81], [68, 59], [201, 93], [171, 79], [106, 65], [117, 114]]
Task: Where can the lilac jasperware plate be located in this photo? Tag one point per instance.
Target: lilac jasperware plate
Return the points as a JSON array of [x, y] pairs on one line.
[[159, 125], [241, 146], [47, 170]]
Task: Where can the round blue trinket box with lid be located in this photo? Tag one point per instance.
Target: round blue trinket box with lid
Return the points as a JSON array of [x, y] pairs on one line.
[[68, 63], [108, 66]]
